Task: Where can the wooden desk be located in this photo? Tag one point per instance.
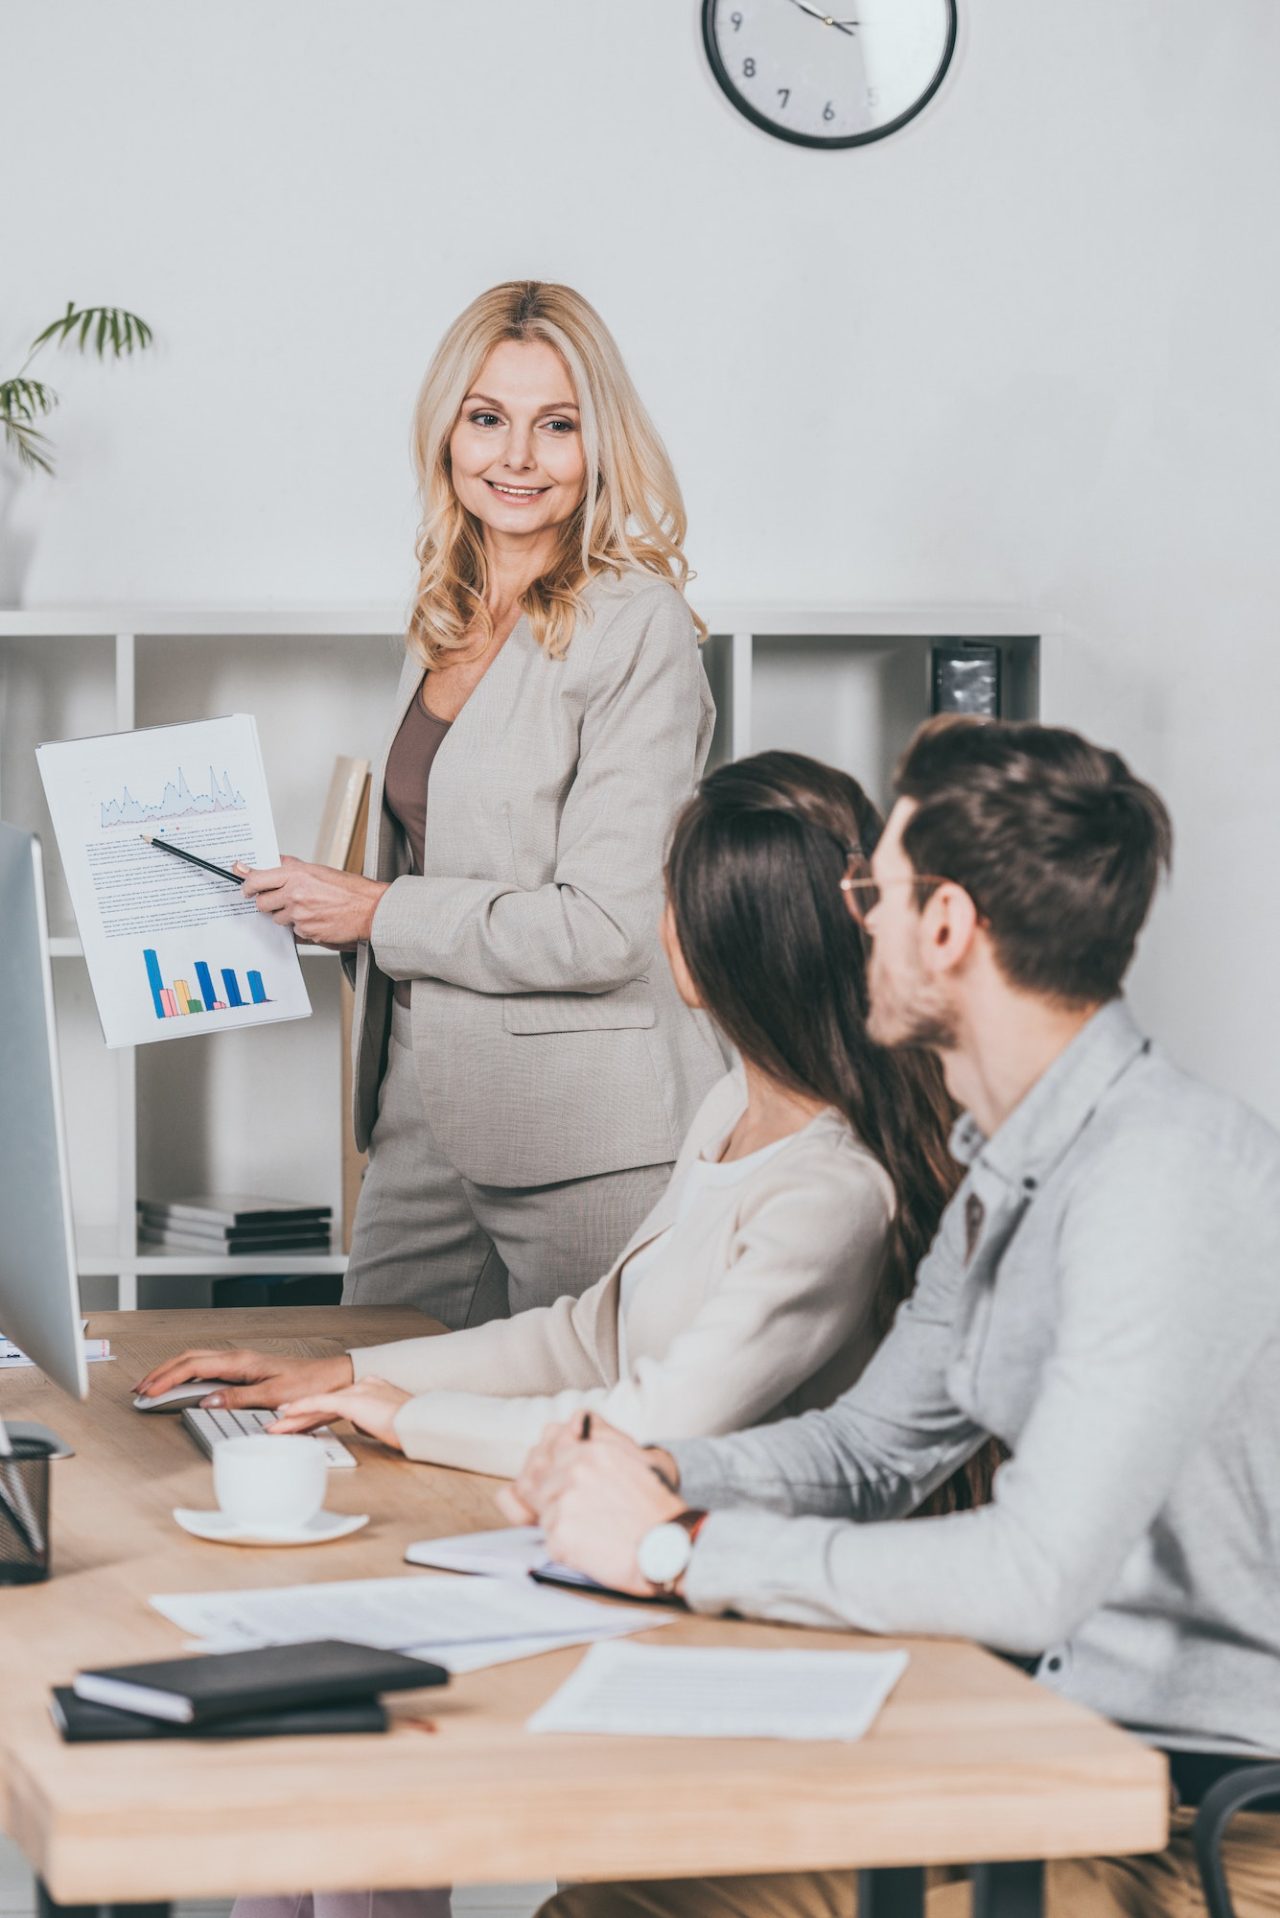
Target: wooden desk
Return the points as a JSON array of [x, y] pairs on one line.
[[969, 1760]]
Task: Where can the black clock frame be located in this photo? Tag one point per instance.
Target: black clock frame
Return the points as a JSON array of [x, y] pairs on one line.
[[742, 105]]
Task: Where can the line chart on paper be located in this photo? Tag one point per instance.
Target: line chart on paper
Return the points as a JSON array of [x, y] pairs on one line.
[[177, 801]]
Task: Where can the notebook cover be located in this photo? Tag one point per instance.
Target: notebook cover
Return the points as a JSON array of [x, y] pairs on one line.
[[81, 1723], [233, 1208], [282, 1228], [276, 1677], [282, 1242]]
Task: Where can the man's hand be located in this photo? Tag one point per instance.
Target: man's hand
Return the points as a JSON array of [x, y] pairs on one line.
[[595, 1499], [370, 1404], [325, 907], [262, 1378]]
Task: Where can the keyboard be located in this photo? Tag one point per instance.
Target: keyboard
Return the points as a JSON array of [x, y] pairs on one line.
[[210, 1428]]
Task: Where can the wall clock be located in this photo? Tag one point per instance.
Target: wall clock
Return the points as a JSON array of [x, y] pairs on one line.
[[829, 73]]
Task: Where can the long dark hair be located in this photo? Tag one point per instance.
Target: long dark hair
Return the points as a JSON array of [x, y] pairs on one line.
[[753, 878]]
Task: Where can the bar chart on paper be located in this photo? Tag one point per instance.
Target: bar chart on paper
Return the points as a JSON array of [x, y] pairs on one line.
[[176, 1000], [171, 948]]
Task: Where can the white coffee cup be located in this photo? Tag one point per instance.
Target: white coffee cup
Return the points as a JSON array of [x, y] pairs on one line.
[[276, 1483]]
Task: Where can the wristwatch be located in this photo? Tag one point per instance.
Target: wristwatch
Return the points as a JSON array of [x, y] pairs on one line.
[[664, 1552]]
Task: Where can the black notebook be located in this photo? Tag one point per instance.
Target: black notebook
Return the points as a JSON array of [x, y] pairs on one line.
[[231, 1208], [81, 1723], [221, 1684]]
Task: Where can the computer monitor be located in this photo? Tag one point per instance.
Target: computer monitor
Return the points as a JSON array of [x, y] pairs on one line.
[[39, 1289]]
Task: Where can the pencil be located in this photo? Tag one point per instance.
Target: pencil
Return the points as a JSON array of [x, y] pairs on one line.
[[192, 859], [585, 1433]]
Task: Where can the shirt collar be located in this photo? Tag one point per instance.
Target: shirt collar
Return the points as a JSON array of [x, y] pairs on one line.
[[1046, 1121]]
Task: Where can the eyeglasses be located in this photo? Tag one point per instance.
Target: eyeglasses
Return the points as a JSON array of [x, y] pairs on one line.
[[864, 892]]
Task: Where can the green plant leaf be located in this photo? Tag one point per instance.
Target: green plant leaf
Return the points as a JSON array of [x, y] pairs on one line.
[[30, 446], [23, 399], [114, 329]]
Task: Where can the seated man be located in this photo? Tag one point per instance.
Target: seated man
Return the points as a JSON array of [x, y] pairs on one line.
[[1103, 1296]]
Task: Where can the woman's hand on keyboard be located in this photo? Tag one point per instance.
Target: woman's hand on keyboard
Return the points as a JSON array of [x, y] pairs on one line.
[[370, 1404], [254, 1378]]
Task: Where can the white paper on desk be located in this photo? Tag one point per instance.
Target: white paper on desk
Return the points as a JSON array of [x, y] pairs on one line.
[[158, 933], [687, 1691], [513, 1552], [458, 1622]]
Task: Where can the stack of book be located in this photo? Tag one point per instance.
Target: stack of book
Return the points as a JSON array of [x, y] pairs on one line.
[[230, 1222], [272, 1692]]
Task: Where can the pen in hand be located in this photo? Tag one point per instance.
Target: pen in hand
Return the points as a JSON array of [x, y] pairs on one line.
[[192, 859], [585, 1433]]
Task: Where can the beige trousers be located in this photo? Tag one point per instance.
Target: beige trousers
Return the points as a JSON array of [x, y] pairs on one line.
[[461, 1252], [1162, 1885]]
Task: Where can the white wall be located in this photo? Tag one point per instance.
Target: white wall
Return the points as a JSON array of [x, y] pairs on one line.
[[1025, 349]]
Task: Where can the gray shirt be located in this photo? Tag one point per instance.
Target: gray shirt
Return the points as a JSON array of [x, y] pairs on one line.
[[1104, 1296]]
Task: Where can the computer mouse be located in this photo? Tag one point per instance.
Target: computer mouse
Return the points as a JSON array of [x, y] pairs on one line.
[[179, 1395]]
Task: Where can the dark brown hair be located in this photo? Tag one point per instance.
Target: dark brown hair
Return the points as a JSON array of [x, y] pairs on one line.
[[1054, 839], [753, 877]]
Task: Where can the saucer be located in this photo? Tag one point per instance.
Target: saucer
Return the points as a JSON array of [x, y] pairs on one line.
[[221, 1530]]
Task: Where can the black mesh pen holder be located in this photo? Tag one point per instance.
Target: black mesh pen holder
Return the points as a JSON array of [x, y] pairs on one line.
[[24, 1512]]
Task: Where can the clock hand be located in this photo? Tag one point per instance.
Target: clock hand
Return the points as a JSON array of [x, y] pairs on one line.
[[841, 26]]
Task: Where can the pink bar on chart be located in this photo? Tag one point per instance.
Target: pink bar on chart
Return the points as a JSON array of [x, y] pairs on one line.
[[169, 1003]]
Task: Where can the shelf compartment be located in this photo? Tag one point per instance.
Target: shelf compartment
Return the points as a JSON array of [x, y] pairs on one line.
[[854, 700], [256, 1109]]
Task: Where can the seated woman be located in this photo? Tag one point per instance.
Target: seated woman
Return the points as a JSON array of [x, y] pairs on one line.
[[806, 1191]]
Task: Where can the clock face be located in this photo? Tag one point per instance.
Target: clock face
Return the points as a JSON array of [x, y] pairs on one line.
[[829, 73]]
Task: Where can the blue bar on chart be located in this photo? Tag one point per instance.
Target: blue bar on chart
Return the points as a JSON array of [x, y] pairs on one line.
[[211, 1001], [177, 1001], [155, 981]]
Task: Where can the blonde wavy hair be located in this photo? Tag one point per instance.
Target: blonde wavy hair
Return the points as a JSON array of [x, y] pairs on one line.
[[631, 517]]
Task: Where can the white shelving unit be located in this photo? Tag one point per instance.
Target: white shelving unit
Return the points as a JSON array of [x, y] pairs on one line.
[[260, 1110]]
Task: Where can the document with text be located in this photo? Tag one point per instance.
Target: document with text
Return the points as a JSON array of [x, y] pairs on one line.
[[686, 1691], [461, 1623], [170, 948]]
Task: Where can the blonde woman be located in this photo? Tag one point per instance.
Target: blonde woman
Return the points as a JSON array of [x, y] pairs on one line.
[[524, 1069]]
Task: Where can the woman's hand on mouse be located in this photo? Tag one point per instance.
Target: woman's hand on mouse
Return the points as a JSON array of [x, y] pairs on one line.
[[254, 1378], [323, 906], [370, 1405]]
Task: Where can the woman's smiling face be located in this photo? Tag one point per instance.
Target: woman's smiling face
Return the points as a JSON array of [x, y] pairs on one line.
[[516, 450]]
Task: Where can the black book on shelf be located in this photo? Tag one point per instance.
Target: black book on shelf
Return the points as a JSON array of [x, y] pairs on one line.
[[180, 1244], [155, 1215], [225, 1238], [233, 1209]]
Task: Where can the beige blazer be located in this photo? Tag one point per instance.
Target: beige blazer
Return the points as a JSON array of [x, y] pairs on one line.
[[549, 1037], [759, 1306]]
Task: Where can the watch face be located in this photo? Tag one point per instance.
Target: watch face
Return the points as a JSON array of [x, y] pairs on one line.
[[664, 1553], [829, 73]]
